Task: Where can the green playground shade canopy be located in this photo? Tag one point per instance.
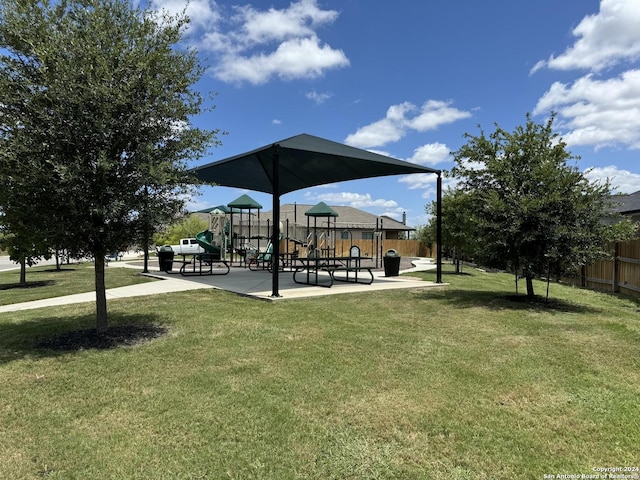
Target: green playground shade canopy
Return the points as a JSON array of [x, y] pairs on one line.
[[244, 202], [301, 162], [321, 210], [219, 208]]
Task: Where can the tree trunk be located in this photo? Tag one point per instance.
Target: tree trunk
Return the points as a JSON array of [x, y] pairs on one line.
[[23, 272], [145, 268], [102, 322], [530, 293], [145, 249], [146, 237]]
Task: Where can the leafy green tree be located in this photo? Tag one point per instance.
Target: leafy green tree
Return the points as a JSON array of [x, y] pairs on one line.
[[459, 226], [187, 228], [25, 250], [23, 244], [96, 98], [423, 234], [533, 211]]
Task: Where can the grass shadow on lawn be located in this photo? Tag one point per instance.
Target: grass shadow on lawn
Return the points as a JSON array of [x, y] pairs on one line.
[[467, 298], [53, 336], [37, 284]]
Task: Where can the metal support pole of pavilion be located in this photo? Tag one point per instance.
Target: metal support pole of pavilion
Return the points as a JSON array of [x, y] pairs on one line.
[[439, 229], [275, 229]]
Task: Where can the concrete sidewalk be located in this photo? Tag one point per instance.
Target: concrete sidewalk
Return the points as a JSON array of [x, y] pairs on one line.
[[240, 280]]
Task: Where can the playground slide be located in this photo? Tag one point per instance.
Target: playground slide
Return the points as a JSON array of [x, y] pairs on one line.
[[266, 255], [204, 239]]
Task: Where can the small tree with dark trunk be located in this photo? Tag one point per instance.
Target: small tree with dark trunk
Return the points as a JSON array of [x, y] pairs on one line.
[[26, 251]]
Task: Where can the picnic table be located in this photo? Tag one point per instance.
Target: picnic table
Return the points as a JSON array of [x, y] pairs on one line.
[[339, 269], [202, 264]]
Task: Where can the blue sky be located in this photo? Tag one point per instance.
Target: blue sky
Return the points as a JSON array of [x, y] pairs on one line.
[[410, 78]]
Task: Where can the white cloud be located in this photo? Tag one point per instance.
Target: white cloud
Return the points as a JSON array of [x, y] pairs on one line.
[[398, 121], [376, 134], [427, 183], [430, 154], [276, 121], [603, 40], [318, 98], [622, 181], [395, 213], [201, 13], [472, 165], [295, 58], [195, 202], [597, 112], [298, 20], [421, 181], [356, 200], [361, 201], [259, 45], [435, 113]]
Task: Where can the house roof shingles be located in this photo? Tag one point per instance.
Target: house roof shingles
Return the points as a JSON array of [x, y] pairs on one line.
[[348, 217], [626, 204]]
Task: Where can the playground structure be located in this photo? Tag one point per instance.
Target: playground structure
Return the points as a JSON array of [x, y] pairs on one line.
[[322, 240], [213, 260], [260, 259], [318, 253], [214, 240], [323, 264], [203, 255], [246, 238], [241, 247]]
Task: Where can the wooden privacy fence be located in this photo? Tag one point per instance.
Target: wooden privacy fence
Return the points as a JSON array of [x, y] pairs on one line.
[[372, 248], [619, 274], [405, 248]]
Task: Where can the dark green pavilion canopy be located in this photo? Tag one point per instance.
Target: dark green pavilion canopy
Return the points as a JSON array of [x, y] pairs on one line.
[[301, 162], [304, 161]]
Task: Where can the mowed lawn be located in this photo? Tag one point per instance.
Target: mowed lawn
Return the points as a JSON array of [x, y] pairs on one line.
[[46, 281], [460, 382]]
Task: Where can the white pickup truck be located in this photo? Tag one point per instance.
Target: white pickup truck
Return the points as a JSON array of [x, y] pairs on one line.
[[187, 246]]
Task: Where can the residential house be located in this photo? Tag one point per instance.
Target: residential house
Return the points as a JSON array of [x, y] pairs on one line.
[[350, 224], [627, 205]]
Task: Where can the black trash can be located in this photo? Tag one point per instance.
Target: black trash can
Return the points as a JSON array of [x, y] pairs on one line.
[[165, 258], [391, 262]]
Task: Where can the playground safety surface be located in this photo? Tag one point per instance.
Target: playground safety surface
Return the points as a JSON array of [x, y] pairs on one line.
[[242, 281], [258, 284]]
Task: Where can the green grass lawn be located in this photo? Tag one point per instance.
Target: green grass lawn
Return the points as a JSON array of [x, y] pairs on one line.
[[47, 282], [460, 382]]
